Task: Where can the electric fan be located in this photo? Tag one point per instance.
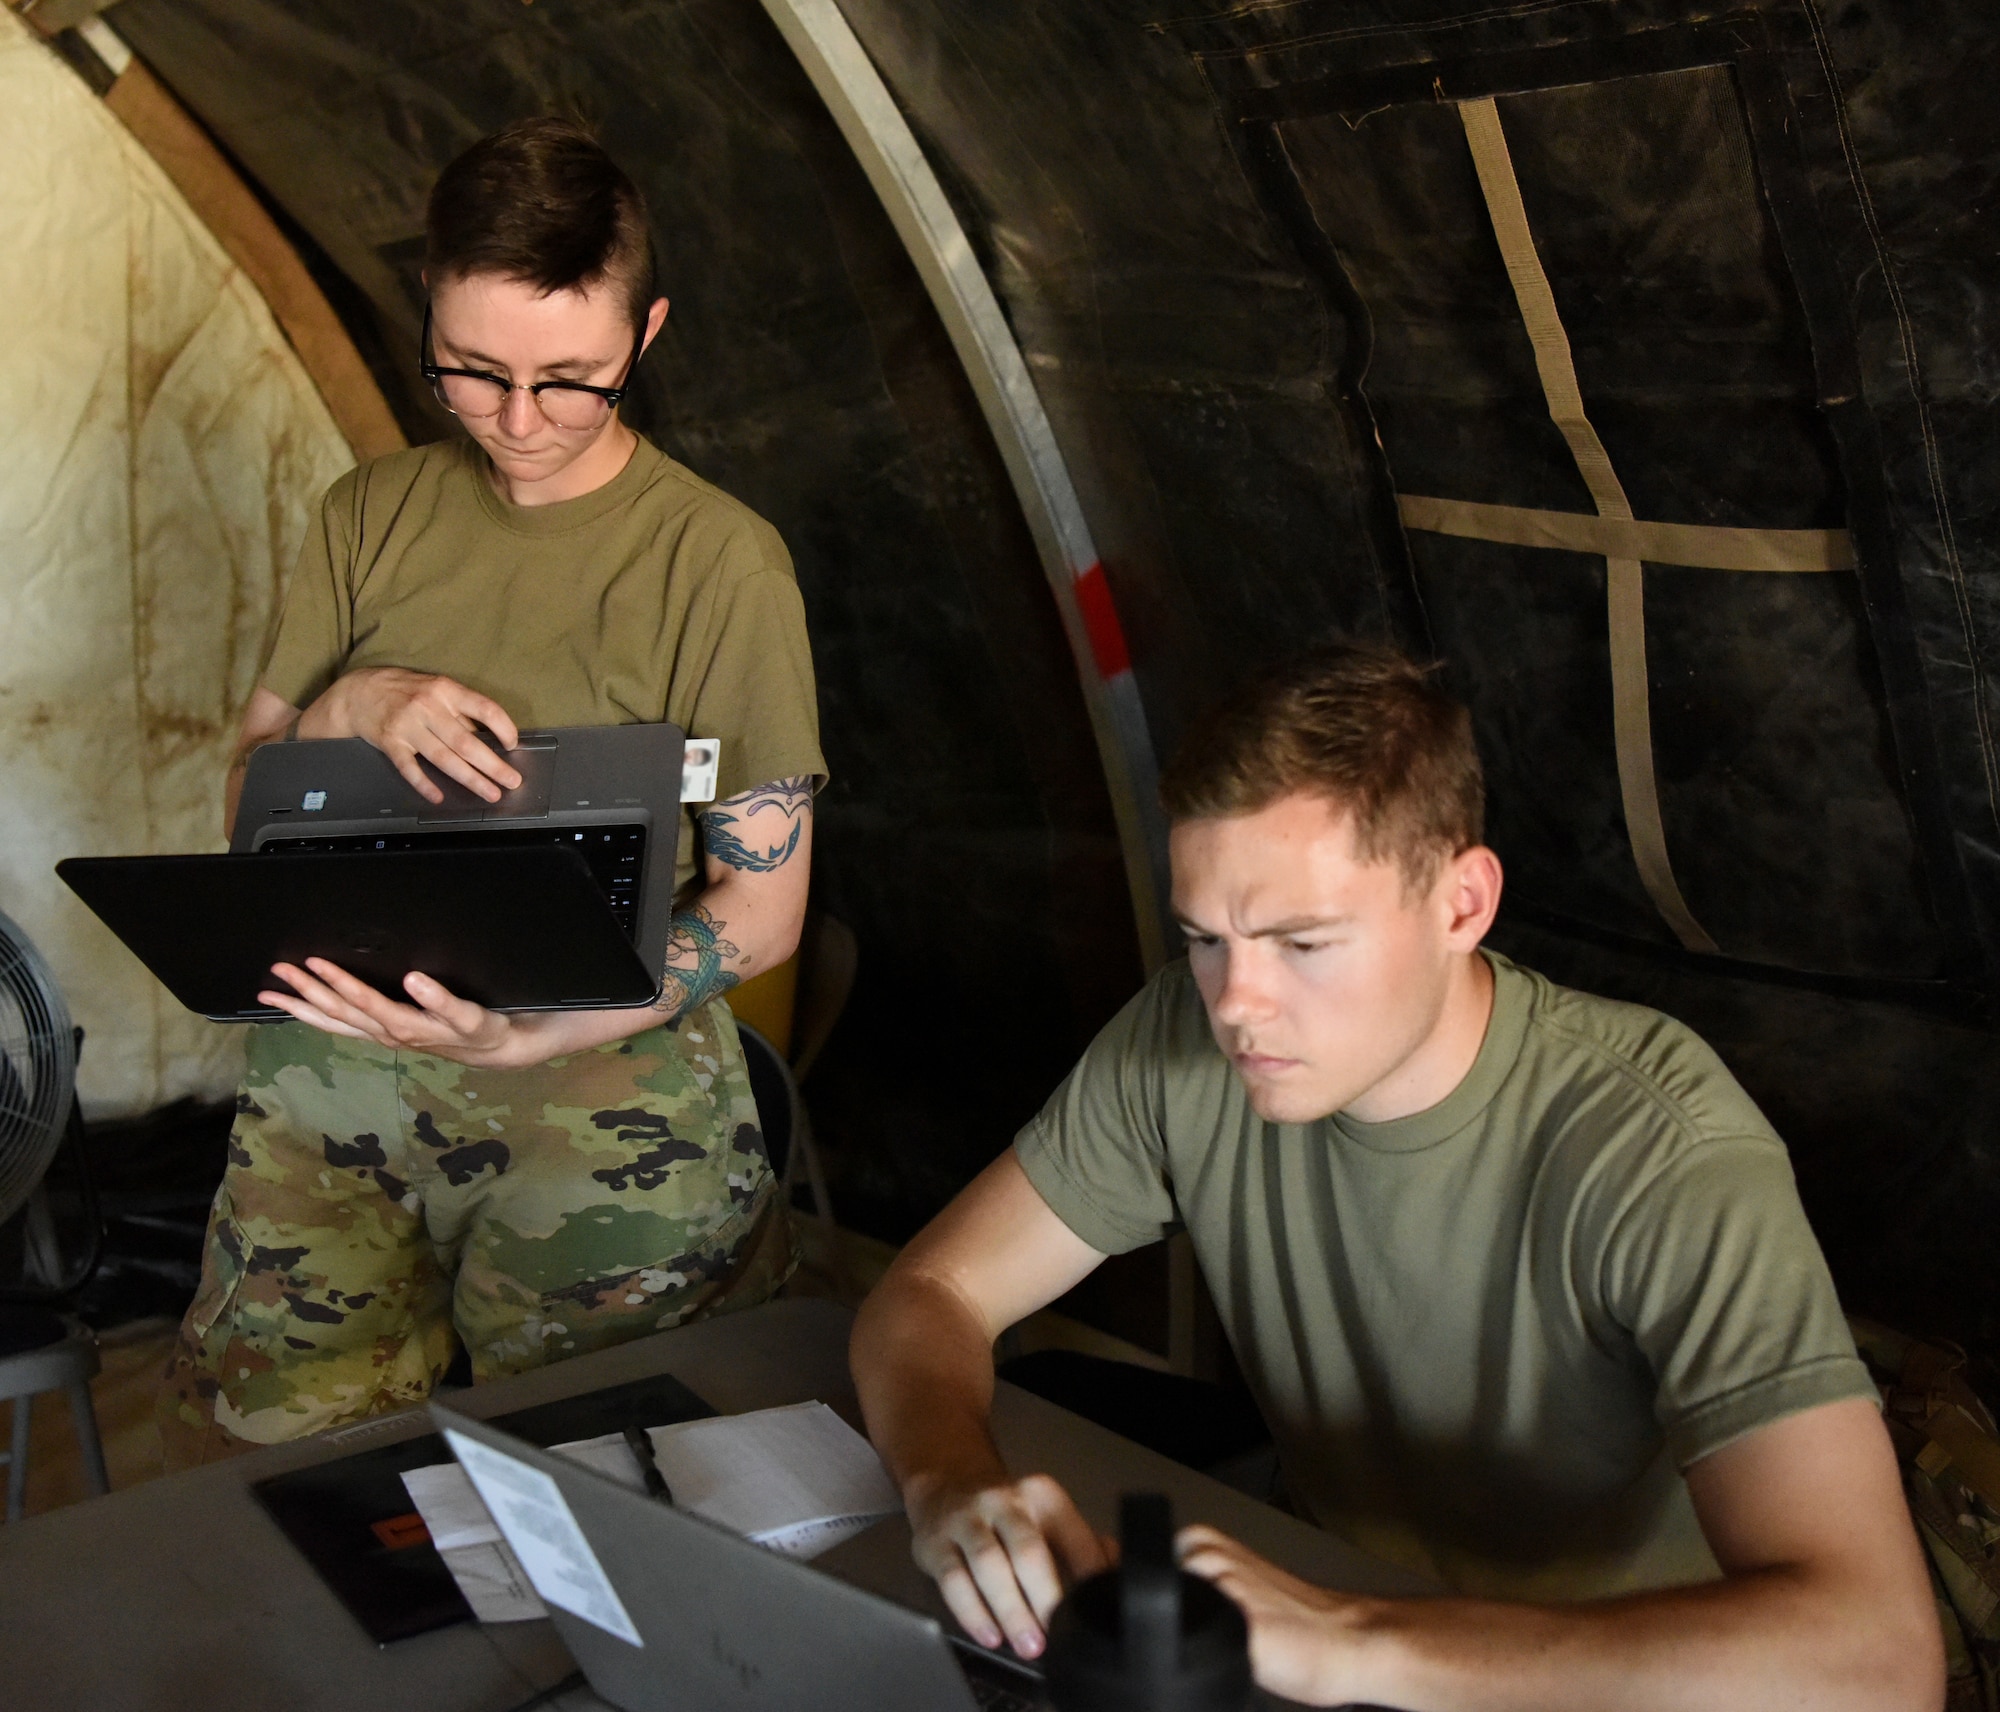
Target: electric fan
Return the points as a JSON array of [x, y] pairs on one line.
[[38, 1047]]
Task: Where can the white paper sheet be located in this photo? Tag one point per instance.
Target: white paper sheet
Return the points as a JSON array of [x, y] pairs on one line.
[[546, 1541], [771, 1474], [493, 1582], [798, 1480]]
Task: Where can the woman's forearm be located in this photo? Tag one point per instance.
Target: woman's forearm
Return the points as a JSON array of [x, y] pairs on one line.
[[742, 925], [704, 960]]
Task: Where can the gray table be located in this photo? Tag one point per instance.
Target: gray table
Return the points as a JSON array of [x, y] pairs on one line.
[[183, 1594]]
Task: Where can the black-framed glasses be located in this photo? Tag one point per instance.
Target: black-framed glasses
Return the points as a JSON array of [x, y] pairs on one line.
[[475, 394]]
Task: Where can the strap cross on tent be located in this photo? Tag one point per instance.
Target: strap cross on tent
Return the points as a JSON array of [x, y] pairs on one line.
[[1623, 541]]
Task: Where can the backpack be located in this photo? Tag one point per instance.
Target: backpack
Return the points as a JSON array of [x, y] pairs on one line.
[[1950, 1455]]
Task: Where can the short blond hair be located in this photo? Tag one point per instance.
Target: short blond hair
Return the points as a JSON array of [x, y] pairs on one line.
[[1358, 724]]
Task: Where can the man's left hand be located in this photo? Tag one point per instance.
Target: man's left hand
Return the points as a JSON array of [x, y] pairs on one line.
[[1305, 1642], [438, 1022]]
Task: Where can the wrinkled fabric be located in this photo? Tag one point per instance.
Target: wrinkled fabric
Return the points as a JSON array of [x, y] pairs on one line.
[[160, 453], [381, 1208]]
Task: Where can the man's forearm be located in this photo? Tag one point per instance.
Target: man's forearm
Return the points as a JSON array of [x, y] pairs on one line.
[[923, 1369], [1773, 1638], [1825, 1603]]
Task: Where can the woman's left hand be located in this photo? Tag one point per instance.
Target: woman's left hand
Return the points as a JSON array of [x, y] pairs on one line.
[[438, 1022]]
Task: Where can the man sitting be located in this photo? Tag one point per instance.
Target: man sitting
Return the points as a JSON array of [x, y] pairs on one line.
[[1518, 1276]]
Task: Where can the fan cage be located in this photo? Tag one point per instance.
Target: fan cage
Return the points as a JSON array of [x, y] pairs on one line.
[[37, 1067]]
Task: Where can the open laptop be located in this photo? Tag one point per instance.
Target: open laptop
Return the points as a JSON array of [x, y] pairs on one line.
[[666, 1612], [557, 897], [612, 793], [509, 929]]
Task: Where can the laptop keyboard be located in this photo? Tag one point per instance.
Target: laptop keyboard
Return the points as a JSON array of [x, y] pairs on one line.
[[998, 1687], [992, 1696]]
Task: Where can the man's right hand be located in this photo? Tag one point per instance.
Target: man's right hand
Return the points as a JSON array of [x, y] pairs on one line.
[[1001, 1550], [410, 714], [1003, 1554]]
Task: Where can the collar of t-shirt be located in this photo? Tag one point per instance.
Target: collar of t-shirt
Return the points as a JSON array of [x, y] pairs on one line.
[[1506, 1029], [565, 514]]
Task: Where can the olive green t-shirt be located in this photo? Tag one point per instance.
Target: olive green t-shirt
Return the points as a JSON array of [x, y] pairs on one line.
[[655, 597], [1489, 1336]]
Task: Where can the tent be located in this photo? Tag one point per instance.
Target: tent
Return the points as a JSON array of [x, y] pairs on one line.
[[162, 450], [1632, 357]]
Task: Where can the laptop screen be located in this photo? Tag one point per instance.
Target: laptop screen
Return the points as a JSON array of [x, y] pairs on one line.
[[615, 855]]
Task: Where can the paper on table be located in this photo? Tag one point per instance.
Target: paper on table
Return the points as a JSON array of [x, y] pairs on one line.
[[488, 1573], [797, 1479], [791, 1478], [493, 1582], [544, 1535]]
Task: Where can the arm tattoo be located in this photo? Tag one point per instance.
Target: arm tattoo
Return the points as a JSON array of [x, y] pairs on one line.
[[728, 836], [696, 952]]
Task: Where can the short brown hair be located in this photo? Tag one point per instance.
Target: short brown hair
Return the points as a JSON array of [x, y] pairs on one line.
[[1357, 724], [541, 202]]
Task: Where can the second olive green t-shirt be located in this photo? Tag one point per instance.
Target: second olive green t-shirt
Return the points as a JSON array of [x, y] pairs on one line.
[[655, 597], [1489, 1336]]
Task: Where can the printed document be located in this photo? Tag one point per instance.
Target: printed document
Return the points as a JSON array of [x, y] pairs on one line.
[[798, 1480]]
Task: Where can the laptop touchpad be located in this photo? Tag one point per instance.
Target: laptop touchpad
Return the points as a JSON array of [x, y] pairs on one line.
[[537, 767]]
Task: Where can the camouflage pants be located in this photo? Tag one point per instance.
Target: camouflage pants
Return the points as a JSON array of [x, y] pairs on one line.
[[380, 1208]]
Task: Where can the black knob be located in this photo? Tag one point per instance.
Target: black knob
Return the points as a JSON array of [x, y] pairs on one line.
[[1145, 1637]]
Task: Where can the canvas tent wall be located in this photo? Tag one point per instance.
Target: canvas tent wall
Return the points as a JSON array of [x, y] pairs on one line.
[[161, 448], [1261, 275]]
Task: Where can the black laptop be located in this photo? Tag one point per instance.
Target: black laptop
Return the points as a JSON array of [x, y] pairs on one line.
[[555, 898]]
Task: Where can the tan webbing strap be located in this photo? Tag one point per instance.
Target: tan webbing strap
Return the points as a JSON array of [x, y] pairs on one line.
[[1631, 713], [226, 206], [1704, 546]]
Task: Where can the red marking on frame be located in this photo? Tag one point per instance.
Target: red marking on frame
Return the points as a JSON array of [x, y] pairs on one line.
[[1100, 623]]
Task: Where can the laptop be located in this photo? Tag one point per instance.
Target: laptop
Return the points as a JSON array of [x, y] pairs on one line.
[[335, 855], [524, 929], [666, 1612], [612, 793]]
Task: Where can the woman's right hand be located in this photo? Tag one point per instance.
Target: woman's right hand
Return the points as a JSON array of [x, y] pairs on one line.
[[410, 714]]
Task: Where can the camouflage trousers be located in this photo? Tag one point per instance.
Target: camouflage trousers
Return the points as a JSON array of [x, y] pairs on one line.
[[381, 1208]]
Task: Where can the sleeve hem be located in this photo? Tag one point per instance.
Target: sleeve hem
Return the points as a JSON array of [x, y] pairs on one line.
[[812, 765], [308, 693], [1071, 1203], [1709, 1426]]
